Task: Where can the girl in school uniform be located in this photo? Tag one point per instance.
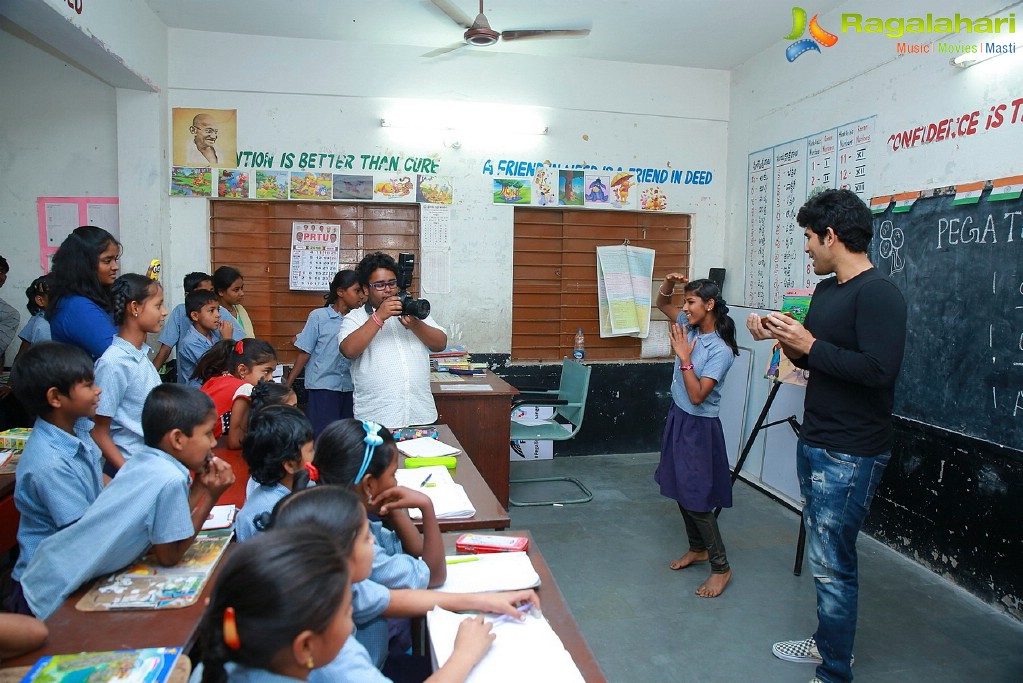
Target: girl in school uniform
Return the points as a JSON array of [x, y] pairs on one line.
[[694, 465], [124, 371], [328, 377], [37, 329], [280, 609], [229, 371], [229, 285]]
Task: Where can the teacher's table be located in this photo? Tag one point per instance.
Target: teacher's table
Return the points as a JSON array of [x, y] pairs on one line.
[[554, 609], [74, 631], [490, 514], [478, 410]]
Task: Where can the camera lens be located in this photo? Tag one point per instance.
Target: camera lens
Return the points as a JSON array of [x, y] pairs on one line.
[[419, 308]]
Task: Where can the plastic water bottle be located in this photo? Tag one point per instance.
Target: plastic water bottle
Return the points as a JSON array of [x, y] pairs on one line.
[[579, 352]]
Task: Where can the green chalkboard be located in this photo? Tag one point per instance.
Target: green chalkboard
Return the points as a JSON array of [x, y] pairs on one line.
[[960, 268]]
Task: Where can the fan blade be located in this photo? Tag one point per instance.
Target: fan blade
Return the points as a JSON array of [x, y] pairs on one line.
[[453, 13], [444, 50], [545, 33]]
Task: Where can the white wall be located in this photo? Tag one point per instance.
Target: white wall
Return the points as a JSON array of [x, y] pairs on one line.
[[59, 137], [329, 97]]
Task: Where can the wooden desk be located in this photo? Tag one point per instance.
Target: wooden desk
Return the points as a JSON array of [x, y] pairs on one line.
[[9, 517], [74, 631], [490, 514], [481, 419], [554, 609]]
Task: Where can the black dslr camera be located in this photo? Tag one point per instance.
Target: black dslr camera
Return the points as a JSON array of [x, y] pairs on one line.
[[419, 308]]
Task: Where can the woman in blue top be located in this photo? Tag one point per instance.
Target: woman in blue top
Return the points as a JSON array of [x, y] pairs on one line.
[[80, 309], [694, 465]]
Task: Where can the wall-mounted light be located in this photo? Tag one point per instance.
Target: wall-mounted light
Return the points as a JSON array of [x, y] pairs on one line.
[[968, 59]]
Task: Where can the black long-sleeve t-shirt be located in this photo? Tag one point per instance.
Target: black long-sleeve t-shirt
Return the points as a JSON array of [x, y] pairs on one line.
[[860, 332]]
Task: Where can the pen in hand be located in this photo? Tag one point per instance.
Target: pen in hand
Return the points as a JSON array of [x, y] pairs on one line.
[[524, 608]]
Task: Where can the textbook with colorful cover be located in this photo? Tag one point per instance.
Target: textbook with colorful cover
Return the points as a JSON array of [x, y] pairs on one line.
[[150, 665], [147, 585]]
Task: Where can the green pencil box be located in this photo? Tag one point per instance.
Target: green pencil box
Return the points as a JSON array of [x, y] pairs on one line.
[[448, 461]]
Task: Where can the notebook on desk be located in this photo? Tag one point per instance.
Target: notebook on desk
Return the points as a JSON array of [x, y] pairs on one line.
[[449, 499], [489, 572]]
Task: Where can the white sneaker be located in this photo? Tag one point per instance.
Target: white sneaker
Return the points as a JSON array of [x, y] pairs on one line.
[[801, 652]]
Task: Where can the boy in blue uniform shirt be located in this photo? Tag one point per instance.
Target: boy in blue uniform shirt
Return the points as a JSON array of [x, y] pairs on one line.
[[150, 503], [178, 322], [203, 309], [59, 474]]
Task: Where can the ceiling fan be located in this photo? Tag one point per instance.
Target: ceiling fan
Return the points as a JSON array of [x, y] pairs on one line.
[[479, 33]]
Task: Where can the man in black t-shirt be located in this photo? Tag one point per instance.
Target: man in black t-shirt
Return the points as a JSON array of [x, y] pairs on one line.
[[852, 344]]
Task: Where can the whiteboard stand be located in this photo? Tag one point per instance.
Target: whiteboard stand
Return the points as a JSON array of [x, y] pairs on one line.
[[797, 569]]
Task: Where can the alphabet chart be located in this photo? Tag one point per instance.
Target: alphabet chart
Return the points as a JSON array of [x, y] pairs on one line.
[[315, 252], [781, 178]]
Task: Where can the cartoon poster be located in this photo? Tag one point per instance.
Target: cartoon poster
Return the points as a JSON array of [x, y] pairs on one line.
[[621, 197], [389, 188], [204, 137], [353, 186], [598, 188], [512, 191], [271, 184], [191, 182], [315, 252], [434, 189], [651, 198], [233, 183], [570, 188], [545, 183], [306, 185]]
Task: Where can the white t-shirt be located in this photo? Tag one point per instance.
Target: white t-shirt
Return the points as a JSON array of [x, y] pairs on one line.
[[392, 376]]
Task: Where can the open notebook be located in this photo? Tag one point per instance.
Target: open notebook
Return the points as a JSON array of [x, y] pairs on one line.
[[449, 499], [489, 572], [425, 447], [529, 650]]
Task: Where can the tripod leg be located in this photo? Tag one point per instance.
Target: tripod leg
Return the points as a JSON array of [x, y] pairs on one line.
[[752, 437], [797, 569]]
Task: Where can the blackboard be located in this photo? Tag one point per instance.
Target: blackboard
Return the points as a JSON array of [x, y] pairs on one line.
[[960, 268]]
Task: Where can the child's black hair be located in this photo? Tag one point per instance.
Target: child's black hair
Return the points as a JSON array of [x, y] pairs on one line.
[[128, 288], [75, 265], [370, 263], [266, 394], [39, 287], [275, 436], [49, 364], [194, 301], [336, 509], [277, 585], [224, 277], [224, 356], [173, 406], [340, 450], [342, 280], [708, 290], [4, 266], [193, 280]]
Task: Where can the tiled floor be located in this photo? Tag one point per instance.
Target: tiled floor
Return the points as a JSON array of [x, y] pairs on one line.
[[644, 624]]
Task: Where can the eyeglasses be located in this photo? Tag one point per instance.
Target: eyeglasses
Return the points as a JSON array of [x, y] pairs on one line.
[[383, 284]]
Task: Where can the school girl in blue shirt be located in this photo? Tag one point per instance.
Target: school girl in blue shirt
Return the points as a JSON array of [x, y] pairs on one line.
[[694, 464], [124, 371], [328, 376], [79, 308]]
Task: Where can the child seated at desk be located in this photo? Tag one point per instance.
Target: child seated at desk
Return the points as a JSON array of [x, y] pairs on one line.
[[338, 510], [280, 609], [150, 503], [59, 474], [276, 449], [229, 371]]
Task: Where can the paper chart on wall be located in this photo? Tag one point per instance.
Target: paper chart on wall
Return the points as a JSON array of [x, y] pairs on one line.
[[436, 271], [434, 223], [315, 255], [780, 180], [624, 274]]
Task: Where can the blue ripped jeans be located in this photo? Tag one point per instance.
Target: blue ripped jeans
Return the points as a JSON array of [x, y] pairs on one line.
[[837, 489]]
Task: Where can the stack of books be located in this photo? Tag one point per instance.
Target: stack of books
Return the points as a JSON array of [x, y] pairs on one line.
[[451, 357]]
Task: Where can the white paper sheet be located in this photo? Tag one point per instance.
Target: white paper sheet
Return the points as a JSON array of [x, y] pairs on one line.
[[490, 572], [426, 447]]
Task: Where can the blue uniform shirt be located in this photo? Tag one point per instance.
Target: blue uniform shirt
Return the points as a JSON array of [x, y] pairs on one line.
[[369, 600], [81, 322], [236, 673], [193, 345], [58, 478], [352, 665], [126, 376], [147, 503], [37, 329], [327, 368], [261, 499], [178, 323], [391, 566], [711, 357]]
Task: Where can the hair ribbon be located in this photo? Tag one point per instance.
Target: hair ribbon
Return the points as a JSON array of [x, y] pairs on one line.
[[372, 440], [314, 473], [231, 638], [239, 348]]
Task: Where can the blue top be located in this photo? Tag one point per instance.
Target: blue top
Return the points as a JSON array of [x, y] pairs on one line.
[[147, 503], [712, 358], [236, 673], [178, 323], [369, 600], [126, 376], [37, 329], [80, 321], [391, 566], [261, 499], [193, 345], [58, 478], [352, 665], [327, 368]]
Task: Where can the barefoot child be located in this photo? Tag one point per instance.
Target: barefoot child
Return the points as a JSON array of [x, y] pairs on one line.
[[150, 503], [124, 371], [694, 465]]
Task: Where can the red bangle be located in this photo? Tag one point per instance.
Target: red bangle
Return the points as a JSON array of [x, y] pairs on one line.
[[378, 321], [687, 366]]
